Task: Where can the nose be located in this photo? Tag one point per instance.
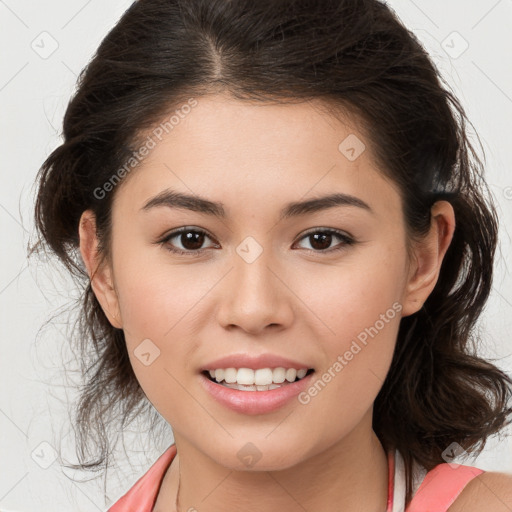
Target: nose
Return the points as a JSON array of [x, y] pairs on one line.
[[255, 297]]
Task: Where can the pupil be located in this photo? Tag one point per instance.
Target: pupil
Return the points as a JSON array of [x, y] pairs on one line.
[[325, 237], [192, 240]]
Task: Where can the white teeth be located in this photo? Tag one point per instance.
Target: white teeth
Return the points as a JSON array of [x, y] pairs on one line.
[[278, 375], [291, 374], [262, 377], [230, 375], [242, 387], [244, 376]]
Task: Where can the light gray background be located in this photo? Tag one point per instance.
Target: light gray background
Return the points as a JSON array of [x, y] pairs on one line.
[[45, 45]]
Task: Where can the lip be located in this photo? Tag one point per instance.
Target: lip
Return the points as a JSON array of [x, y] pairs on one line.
[[255, 402], [254, 362]]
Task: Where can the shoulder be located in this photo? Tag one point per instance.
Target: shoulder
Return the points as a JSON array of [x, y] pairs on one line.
[[489, 491]]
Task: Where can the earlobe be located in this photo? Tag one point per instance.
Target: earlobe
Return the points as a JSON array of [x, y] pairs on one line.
[[428, 257], [100, 273]]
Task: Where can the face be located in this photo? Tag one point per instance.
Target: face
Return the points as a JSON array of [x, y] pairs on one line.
[[325, 287]]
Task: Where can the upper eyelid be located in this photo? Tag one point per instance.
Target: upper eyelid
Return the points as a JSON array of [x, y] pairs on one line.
[[172, 234], [334, 231], [186, 229], [345, 237]]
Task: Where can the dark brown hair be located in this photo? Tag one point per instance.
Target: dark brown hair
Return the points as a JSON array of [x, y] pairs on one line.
[[352, 54]]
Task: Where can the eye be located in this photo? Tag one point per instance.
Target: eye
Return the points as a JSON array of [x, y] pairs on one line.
[[190, 239], [321, 239]]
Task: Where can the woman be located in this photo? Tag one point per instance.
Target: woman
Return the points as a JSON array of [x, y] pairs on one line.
[[288, 243]]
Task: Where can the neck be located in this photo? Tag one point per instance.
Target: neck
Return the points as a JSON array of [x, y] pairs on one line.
[[350, 475]]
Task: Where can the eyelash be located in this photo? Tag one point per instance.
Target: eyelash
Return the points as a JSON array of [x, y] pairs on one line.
[[347, 241]]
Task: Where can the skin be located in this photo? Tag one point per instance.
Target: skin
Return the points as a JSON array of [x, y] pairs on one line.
[[310, 306]]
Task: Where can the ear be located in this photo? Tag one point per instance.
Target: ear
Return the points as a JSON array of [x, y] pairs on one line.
[[428, 257], [100, 273]]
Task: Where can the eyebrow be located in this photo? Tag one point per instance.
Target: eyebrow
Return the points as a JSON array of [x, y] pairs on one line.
[[173, 199]]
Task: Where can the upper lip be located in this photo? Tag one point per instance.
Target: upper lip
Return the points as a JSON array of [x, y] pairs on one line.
[[254, 362]]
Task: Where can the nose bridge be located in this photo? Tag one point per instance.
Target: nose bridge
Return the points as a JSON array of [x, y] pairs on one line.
[[254, 298]]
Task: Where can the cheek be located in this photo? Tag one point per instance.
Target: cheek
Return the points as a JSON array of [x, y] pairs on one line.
[[357, 354], [154, 303], [159, 304], [352, 296], [153, 297], [358, 314]]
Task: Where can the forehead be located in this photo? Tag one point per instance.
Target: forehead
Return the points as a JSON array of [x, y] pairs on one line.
[[223, 147]]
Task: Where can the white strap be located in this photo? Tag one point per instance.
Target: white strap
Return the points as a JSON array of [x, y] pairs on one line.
[[399, 488], [419, 473]]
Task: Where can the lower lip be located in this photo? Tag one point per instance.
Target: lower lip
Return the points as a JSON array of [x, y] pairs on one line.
[[255, 402]]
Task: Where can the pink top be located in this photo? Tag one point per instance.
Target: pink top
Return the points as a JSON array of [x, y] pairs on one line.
[[438, 490]]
